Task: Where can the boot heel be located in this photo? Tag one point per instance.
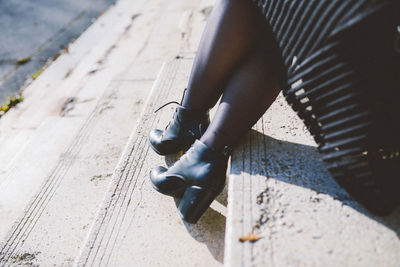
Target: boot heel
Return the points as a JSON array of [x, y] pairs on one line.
[[194, 203]]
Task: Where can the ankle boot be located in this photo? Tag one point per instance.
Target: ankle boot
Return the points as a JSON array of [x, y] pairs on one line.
[[185, 127], [198, 177]]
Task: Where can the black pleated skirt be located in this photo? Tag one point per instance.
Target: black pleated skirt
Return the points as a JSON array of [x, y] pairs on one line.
[[341, 73]]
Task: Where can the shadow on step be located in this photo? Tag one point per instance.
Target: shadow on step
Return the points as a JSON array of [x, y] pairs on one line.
[[300, 165], [210, 229]]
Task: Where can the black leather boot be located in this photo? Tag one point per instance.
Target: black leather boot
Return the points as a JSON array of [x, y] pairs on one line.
[[198, 177], [186, 126]]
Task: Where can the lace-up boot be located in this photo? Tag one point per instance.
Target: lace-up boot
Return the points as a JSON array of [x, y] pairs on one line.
[[186, 126]]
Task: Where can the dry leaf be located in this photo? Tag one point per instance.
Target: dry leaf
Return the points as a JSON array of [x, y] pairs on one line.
[[252, 237]]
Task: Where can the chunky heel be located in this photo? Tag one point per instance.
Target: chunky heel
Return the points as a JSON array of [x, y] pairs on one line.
[[195, 202], [198, 176]]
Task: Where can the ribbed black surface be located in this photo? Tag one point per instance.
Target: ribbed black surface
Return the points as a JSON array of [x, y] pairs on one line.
[[342, 77]]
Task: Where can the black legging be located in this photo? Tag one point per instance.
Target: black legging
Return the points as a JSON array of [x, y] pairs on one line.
[[341, 53], [235, 59]]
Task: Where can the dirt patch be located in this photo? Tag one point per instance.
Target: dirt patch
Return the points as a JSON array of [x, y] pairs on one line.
[[67, 106], [206, 11], [25, 259], [101, 177]]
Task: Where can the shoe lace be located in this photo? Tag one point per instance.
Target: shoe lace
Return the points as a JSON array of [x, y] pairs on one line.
[[173, 102], [166, 104]]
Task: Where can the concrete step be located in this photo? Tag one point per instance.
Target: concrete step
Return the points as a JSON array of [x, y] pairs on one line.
[[76, 119], [72, 73], [76, 70], [137, 225], [21, 178], [281, 192], [62, 178]]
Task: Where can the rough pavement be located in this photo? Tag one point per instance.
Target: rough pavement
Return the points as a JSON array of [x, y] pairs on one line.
[[39, 30]]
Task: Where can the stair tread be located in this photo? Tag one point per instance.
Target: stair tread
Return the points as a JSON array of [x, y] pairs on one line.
[[138, 225], [69, 177], [22, 177], [67, 184], [84, 66], [281, 190]]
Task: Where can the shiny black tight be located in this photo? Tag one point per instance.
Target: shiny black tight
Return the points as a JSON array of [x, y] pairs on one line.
[[236, 59]]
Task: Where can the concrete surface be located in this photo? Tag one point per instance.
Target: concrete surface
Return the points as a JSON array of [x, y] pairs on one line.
[[63, 202], [139, 226], [39, 30], [76, 119], [281, 190]]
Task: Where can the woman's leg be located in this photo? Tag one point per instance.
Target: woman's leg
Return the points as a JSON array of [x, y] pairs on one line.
[[232, 30], [251, 90], [199, 175], [247, 70]]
